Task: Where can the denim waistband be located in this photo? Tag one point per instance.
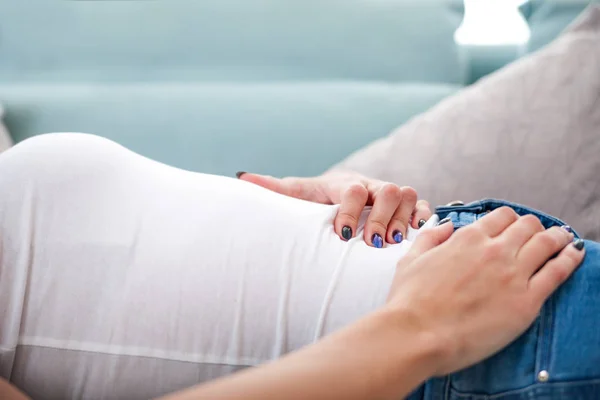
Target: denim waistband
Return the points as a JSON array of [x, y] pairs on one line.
[[463, 215]]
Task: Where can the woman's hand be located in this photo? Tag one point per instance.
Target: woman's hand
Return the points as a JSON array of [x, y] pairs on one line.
[[477, 290], [393, 210]]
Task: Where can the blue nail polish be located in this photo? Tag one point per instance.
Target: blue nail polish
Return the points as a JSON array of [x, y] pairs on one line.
[[567, 228], [397, 235], [377, 240], [347, 232]]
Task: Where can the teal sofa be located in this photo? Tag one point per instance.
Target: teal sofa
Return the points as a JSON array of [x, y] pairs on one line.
[[271, 86]]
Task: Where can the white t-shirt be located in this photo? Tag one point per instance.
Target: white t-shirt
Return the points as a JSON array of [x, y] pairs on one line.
[[121, 277]]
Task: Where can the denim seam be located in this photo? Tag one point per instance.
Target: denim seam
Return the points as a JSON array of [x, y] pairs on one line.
[[557, 385], [485, 205], [447, 391], [539, 352], [549, 335], [545, 337]]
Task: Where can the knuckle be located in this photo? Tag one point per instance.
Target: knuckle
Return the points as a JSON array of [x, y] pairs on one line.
[[410, 194], [357, 190], [426, 235], [347, 218], [532, 221], [559, 274], [297, 190], [469, 234], [549, 240], [573, 257], [508, 212], [507, 276], [397, 222], [376, 225], [391, 191], [424, 204], [495, 250]]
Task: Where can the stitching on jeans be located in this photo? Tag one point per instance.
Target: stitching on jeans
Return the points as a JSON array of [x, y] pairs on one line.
[[552, 385]]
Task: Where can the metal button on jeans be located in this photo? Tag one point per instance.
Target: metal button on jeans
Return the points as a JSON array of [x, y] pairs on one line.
[[543, 376]]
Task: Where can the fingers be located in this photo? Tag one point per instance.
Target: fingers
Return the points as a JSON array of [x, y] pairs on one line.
[[519, 233], [385, 203], [352, 204], [556, 271], [431, 237], [390, 216], [421, 214], [288, 187], [398, 225], [541, 247], [497, 221]]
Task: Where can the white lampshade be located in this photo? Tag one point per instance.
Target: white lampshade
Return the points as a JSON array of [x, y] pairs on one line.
[[493, 22]]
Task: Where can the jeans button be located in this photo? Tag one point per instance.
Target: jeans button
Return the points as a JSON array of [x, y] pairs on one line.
[[543, 376], [456, 203]]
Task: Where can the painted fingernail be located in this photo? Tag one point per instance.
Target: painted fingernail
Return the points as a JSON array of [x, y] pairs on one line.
[[578, 244], [567, 228], [421, 223], [397, 235], [239, 173], [347, 232], [442, 222], [377, 240]]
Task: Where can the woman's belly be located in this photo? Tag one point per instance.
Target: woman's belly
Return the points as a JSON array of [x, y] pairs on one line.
[[118, 270]]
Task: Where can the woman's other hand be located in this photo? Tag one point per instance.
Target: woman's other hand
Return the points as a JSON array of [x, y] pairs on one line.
[[476, 290], [394, 207]]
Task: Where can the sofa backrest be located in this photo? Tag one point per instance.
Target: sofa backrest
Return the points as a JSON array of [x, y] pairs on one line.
[[276, 86]]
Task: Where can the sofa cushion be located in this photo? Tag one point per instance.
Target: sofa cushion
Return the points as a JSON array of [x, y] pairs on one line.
[[275, 128], [229, 40]]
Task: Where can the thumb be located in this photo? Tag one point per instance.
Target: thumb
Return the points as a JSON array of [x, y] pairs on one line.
[[432, 237], [285, 187]]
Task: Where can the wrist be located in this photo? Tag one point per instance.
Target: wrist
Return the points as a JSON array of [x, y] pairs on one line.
[[389, 356], [426, 349]]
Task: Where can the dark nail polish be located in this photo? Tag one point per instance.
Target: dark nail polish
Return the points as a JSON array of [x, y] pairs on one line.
[[397, 235], [578, 244], [567, 228], [347, 232], [421, 223], [442, 222], [377, 240], [239, 173]]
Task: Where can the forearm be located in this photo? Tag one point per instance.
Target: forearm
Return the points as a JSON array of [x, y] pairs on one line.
[[9, 392], [371, 359]]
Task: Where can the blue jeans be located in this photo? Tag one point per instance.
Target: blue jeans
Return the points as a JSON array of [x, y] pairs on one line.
[[558, 357]]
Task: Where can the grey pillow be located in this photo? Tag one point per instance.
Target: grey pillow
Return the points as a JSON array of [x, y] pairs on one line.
[[529, 133]]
